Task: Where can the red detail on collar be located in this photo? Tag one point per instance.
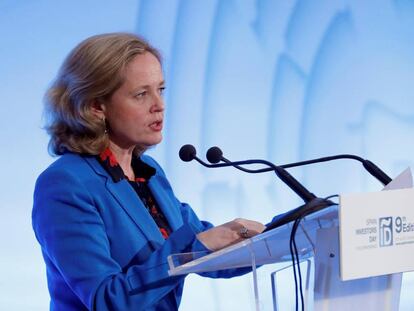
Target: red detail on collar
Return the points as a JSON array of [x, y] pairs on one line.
[[107, 154]]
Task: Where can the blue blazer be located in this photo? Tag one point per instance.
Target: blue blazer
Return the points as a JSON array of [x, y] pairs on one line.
[[102, 249]]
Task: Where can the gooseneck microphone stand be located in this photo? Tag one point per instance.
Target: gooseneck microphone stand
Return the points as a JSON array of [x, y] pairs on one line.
[[312, 203]]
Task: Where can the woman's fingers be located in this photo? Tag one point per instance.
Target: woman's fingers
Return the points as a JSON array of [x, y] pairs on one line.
[[248, 228], [230, 233]]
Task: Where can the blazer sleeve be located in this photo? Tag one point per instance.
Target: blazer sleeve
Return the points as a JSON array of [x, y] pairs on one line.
[[72, 235], [190, 217]]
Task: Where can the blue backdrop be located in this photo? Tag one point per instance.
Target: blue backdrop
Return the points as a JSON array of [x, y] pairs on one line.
[[280, 80]]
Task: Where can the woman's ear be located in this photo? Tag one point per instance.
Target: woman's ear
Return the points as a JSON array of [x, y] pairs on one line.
[[98, 108]]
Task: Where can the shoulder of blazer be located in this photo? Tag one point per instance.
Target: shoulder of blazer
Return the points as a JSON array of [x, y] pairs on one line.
[[74, 164]]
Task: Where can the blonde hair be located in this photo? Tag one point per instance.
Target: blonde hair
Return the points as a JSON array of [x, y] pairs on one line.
[[92, 71]]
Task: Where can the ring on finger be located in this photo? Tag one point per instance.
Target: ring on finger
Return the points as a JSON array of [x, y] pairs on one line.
[[244, 232]]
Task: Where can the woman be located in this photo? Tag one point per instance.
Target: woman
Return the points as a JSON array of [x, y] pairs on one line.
[[104, 213]]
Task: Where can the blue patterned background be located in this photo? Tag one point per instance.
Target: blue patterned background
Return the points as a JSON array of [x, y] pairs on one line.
[[280, 80]]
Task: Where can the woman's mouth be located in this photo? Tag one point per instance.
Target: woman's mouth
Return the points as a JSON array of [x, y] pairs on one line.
[[156, 126]]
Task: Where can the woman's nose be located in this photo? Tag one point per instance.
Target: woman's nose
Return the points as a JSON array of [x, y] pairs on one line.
[[158, 103]]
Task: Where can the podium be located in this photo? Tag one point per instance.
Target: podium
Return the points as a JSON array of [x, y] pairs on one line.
[[323, 243]]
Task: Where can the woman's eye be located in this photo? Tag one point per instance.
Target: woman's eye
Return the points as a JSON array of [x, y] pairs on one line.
[[141, 94], [161, 90]]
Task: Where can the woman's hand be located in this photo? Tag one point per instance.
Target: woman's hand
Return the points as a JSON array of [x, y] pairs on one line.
[[229, 233]]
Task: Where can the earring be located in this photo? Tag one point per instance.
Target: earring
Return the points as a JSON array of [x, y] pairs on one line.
[[105, 125]]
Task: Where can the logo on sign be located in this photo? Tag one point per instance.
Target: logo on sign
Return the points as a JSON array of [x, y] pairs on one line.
[[385, 232]]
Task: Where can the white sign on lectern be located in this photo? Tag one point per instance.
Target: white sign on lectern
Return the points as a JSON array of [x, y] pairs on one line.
[[375, 226]]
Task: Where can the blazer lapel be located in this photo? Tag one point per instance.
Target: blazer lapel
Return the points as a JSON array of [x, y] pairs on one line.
[[166, 202], [132, 205]]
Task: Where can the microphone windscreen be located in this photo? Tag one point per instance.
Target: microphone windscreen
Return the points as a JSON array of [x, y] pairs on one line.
[[214, 155], [187, 153]]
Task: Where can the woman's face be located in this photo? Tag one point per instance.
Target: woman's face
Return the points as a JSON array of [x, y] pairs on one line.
[[135, 112]]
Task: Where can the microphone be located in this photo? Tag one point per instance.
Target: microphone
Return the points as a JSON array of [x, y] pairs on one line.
[[188, 153], [215, 155]]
